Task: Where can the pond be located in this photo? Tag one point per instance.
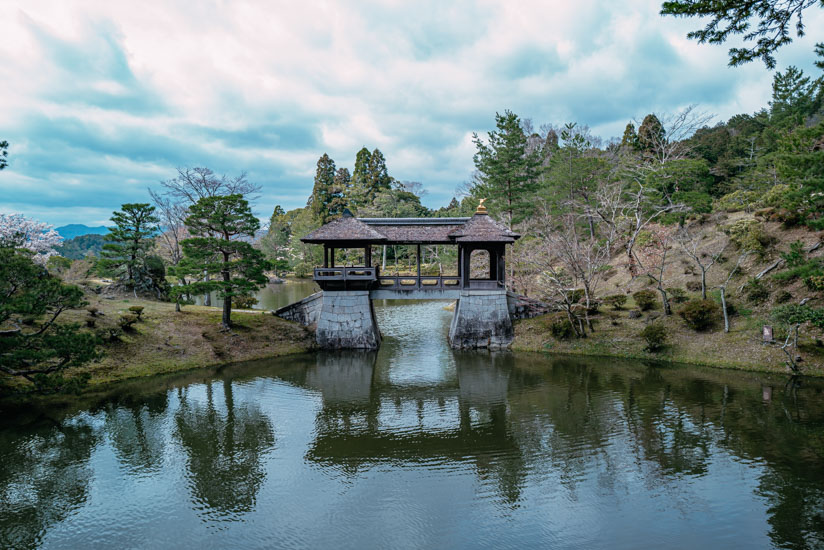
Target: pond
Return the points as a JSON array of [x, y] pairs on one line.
[[418, 446], [274, 296]]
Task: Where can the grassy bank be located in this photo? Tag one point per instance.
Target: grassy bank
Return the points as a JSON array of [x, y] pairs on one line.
[[165, 341], [617, 335]]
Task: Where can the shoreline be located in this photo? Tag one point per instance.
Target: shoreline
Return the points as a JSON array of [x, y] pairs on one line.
[[737, 350]]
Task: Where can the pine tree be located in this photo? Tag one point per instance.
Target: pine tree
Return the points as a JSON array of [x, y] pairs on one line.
[[128, 243], [651, 134], [507, 173], [369, 178], [324, 200], [39, 349], [629, 141], [219, 223]]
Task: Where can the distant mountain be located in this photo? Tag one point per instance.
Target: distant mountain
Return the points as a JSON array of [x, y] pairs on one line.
[[76, 229]]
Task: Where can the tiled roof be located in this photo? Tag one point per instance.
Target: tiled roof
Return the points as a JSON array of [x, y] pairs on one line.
[[344, 229], [478, 228], [482, 228]]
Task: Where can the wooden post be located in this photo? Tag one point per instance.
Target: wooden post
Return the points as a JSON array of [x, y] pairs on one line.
[[418, 261], [325, 256], [332, 261]]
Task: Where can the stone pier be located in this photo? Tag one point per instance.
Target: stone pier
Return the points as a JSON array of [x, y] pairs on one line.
[[481, 320], [347, 321]]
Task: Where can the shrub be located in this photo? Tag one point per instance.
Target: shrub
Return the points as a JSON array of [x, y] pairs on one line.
[[756, 291], [700, 314], [738, 200], [302, 270], [244, 302], [783, 296], [678, 295], [126, 321], [559, 326], [617, 301], [645, 299], [93, 311], [634, 314], [749, 235], [137, 311], [779, 196], [655, 336], [693, 286], [815, 282]]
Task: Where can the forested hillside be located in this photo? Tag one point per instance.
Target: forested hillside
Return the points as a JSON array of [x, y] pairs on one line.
[[692, 208]]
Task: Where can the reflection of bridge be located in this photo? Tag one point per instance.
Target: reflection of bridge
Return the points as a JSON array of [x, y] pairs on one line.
[[367, 419], [342, 311]]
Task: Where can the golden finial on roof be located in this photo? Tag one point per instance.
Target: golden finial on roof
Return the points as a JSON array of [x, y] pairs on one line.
[[481, 208]]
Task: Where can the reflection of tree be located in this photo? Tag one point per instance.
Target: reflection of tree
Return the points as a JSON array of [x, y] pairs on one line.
[[44, 476], [225, 450], [137, 431]]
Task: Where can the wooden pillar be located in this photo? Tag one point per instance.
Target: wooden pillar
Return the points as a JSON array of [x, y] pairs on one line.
[[467, 266], [332, 259], [418, 261], [325, 256], [367, 256], [493, 263], [502, 266]]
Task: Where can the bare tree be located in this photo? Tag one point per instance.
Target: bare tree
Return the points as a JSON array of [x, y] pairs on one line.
[[652, 261], [671, 143], [572, 259], [691, 245], [723, 288], [193, 184]]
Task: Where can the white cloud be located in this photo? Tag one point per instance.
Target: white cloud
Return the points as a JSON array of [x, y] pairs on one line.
[[131, 90]]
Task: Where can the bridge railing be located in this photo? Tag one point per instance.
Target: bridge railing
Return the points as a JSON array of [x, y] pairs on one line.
[[424, 282], [345, 273]]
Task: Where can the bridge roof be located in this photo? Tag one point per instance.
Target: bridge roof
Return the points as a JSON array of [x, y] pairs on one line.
[[351, 231]]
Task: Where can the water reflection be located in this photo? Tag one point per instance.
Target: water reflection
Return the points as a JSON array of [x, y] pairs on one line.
[[225, 444], [44, 477], [419, 445]]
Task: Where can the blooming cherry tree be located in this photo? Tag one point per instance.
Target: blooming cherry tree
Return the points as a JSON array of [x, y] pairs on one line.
[[21, 232]]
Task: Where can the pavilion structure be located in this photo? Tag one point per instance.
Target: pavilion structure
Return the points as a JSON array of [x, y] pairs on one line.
[[344, 314]]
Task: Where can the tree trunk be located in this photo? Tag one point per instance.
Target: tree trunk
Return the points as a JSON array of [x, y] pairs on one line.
[[226, 320], [703, 284], [664, 300], [724, 308], [207, 300]]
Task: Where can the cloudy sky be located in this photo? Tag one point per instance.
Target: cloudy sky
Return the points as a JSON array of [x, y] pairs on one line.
[[100, 99]]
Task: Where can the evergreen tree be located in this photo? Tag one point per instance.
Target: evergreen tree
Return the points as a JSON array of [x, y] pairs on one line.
[[39, 348], [128, 243], [325, 202], [507, 173], [343, 188], [276, 241], [629, 141], [801, 162], [651, 134], [775, 20], [219, 223], [794, 98], [369, 178], [4, 154]]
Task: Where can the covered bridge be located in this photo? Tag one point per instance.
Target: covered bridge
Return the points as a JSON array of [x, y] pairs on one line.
[[342, 312]]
